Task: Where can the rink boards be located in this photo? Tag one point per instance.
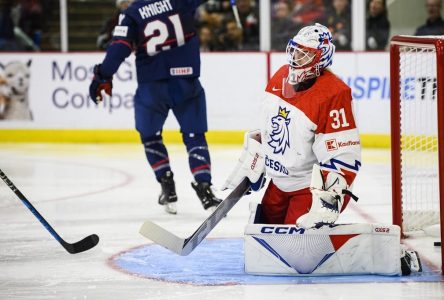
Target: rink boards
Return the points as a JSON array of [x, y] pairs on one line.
[[57, 94]]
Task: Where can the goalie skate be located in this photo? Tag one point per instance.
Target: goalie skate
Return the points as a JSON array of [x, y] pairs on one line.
[[410, 262]]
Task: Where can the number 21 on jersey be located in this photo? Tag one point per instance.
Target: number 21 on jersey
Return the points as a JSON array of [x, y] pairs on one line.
[[158, 31]]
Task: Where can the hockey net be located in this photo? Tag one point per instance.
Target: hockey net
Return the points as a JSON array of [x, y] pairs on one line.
[[417, 119]]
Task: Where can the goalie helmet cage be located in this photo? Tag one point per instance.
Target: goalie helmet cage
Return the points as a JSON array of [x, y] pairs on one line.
[[417, 132]]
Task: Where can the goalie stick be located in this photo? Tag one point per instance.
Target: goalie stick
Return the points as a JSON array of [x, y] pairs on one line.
[[80, 246], [185, 246]]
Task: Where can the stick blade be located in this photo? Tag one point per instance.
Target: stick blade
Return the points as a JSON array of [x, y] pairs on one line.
[[221, 211], [162, 237], [184, 246], [82, 245]]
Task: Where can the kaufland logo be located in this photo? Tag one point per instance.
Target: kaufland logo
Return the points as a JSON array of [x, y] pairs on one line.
[[333, 145]]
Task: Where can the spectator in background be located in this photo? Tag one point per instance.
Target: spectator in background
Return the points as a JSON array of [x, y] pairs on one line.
[[217, 16], [281, 25], [232, 38], [210, 17], [8, 41], [434, 24], [106, 33], [249, 17], [210, 22], [217, 6], [338, 22], [378, 25], [307, 12], [206, 39], [49, 9], [31, 20], [15, 15]]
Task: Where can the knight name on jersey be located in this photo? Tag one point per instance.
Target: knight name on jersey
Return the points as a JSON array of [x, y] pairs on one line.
[[275, 165], [155, 8]]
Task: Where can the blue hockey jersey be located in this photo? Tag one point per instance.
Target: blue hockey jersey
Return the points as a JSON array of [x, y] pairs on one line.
[[162, 34]]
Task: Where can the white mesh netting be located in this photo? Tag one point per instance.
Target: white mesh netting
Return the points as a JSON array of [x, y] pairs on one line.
[[419, 147]]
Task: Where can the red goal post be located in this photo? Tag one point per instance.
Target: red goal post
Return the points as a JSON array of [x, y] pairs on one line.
[[417, 132]]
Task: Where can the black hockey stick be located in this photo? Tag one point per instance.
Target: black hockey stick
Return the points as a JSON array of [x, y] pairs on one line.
[[185, 246], [83, 245]]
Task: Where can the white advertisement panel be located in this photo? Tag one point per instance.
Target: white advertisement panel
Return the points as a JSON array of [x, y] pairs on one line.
[[53, 88], [234, 84], [54, 91], [58, 92]]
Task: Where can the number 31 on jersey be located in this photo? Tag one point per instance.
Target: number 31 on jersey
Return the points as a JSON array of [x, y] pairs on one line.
[[339, 118]]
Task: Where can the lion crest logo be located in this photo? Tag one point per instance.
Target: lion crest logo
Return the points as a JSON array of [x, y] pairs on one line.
[[280, 136]]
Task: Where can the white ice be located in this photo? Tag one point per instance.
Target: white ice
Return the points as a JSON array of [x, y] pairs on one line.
[[110, 190]]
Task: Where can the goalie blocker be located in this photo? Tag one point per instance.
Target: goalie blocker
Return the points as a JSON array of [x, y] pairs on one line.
[[346, 249]]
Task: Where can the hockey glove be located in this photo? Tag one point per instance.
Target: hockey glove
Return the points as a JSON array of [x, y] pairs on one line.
[[327, 199], [251, 164], [99, 84]]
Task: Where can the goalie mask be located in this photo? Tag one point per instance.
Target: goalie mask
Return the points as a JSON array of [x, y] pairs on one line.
[[309, 52]]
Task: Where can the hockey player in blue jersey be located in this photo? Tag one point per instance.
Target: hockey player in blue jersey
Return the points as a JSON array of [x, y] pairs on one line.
[[163, 36]]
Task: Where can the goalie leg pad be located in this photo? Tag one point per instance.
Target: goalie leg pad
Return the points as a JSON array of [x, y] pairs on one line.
[[348, 249]]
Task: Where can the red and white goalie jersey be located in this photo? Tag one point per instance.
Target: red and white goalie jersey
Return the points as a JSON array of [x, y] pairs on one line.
[[311, 126]]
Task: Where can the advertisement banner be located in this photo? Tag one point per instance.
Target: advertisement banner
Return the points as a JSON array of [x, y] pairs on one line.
[[50, 91]]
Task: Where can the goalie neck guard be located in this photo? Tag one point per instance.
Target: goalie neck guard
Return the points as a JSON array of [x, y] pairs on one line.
[[309, 52]]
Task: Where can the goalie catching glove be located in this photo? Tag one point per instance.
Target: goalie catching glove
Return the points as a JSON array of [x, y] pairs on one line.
[[327, 199], [251, 164], [100, 83]]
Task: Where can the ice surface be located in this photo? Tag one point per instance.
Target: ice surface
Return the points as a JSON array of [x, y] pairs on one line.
[[110, 190]]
